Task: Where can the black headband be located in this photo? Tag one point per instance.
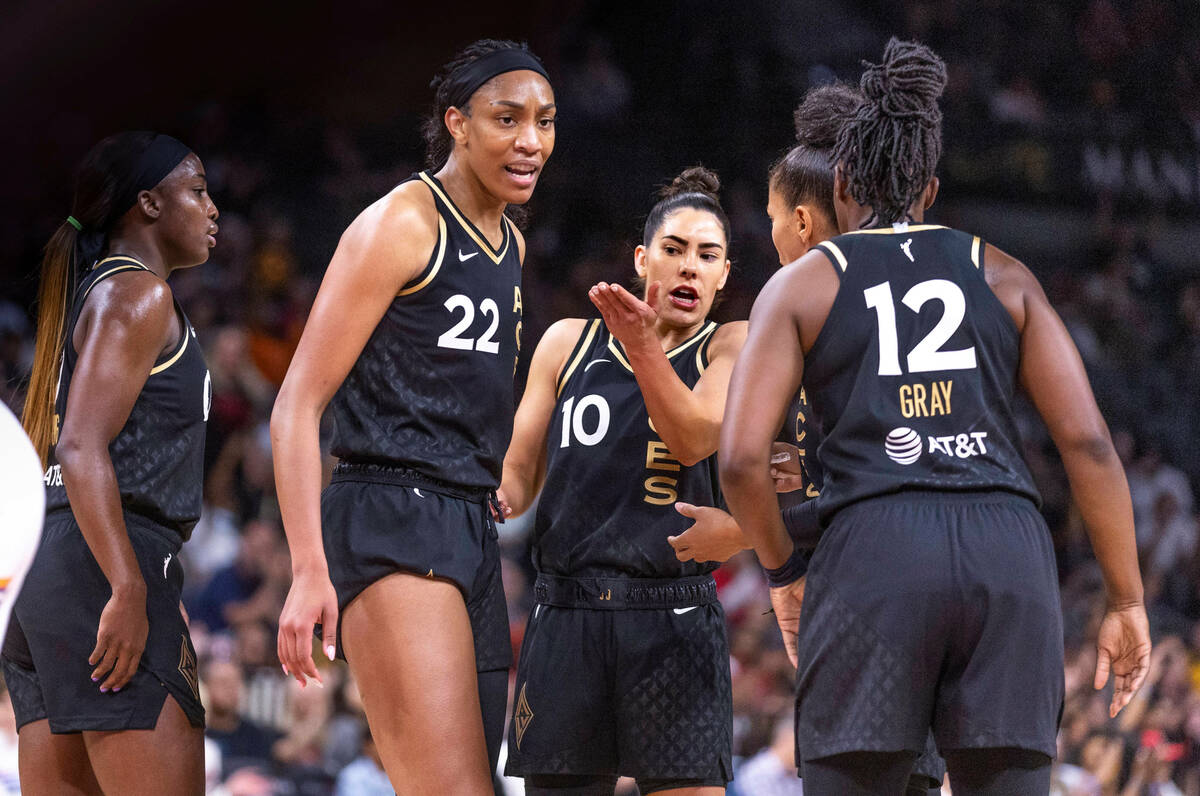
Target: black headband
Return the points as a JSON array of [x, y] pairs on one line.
[[145, 172], [152, 166], [466, 81]]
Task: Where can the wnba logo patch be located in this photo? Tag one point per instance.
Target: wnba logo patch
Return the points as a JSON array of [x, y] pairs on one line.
[[522, 715], [903, 445]]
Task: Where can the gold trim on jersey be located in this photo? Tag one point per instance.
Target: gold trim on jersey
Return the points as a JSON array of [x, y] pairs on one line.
[[701, 365], [833, 251], [615, 347], [975, 251], [124, 257], [890, 231], [115, 269], [437, 262], [579, 355], [700, 335], [468, 227], [175, 357]]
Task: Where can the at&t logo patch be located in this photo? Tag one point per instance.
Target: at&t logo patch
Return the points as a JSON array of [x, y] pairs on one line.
[[903, 445]]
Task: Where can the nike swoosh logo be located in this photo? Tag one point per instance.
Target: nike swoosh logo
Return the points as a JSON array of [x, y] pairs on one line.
[[462, 258], [418, 492], [594, 362], [681, 611]]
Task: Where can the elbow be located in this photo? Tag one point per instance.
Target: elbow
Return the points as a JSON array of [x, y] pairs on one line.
[[70, 451], [1091, 445], [738, 468]]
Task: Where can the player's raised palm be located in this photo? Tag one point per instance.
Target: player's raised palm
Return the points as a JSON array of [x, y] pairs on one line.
[[630, 319]]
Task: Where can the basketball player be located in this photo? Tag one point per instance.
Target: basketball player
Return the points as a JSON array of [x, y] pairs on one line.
[[800, 205], [98, 660], [624, 668], [414, 337], [932, 597]]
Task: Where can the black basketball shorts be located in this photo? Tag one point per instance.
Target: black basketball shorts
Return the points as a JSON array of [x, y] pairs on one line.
[[56, 618], [639, 692], [931, 610], [377, 521]]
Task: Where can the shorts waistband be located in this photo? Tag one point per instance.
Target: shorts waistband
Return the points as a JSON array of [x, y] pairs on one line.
[[399, 475], [167, 533], [620, 594], [950, 496]]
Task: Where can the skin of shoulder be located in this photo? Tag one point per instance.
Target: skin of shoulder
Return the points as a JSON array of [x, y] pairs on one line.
[[1013, 283], [394, 235], [728, 339], [137, 301]]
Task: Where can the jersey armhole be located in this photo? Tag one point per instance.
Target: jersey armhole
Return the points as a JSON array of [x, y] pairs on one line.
[[582, 345], [119, 265], [978, 247], [836, 258], [702, 350], [422, 280]]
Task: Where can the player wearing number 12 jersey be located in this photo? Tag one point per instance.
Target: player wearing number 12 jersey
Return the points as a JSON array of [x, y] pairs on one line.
[[624, 669], [412, 341], [932, 598]]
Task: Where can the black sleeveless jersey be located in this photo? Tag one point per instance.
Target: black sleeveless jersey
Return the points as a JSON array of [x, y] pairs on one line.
[[799, 430], [432, 389], [913, 374], [158, 455], [608, 503]]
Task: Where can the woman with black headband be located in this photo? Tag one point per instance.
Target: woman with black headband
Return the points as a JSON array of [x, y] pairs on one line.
[[116, 409], [412, 342]]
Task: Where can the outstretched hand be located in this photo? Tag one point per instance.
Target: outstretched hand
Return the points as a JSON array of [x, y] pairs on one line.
[[630, 319], [1123, 649]]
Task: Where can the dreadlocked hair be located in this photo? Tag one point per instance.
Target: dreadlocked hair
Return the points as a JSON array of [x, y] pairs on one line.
[[804, 174], [820, 116], [889, 148]]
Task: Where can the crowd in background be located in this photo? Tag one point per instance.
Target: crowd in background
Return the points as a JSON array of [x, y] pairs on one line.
[[1091, 74]]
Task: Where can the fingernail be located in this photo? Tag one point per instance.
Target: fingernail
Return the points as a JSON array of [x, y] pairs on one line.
[[330, 652], [103, 690], [95, 679], [284, 667], [318, 684], [118, 688]]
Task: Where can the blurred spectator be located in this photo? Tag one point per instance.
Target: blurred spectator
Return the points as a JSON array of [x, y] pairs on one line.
[[771, 772], [365, 775], [241, 742]]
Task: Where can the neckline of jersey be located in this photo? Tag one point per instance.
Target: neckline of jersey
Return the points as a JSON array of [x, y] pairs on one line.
[[121, 257], [890, 231], [469, 226], [614, 345]]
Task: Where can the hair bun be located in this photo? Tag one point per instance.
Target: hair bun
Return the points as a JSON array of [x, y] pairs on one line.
[[820, 115], [697, 179], [909, 81]]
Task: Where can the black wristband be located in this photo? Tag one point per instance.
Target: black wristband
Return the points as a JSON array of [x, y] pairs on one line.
[[792, 570]]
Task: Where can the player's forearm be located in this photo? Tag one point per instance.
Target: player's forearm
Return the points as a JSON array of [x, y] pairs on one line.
[[689, 428], [750, 493], [95, 498], [520, 484], [1100, 490], [296, 451]]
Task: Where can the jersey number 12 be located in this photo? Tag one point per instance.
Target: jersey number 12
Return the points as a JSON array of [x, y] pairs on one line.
[[927, 354]]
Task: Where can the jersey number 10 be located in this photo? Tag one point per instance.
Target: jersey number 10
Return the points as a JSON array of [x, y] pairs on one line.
[[927, 354]]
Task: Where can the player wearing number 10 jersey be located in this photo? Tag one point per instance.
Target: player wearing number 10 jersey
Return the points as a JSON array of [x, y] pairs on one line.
[[932, 598], [413, 341], [624, 668]]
